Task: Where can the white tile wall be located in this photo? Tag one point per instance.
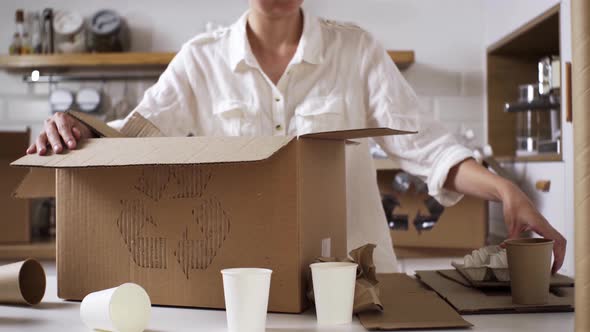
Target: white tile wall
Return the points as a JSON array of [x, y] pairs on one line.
[[27, 109]]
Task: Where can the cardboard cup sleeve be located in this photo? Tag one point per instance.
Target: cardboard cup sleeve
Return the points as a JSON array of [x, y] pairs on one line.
[[22, 282], [126, 308]]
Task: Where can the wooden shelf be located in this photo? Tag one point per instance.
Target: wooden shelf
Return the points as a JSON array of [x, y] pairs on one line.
[[39, 250], [513, 61], [403, 59], [537, 158], [88, 60]]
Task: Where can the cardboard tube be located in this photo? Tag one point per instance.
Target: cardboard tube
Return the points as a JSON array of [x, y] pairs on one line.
[[581, 116], [22, 282]]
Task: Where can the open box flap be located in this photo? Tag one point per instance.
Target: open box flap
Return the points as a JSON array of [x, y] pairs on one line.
[[356, 133], [97, 126], [38, 183], [112, 152]]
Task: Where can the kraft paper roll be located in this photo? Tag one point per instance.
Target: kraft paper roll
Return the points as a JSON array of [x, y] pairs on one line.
[[22, 282], [581, 121]]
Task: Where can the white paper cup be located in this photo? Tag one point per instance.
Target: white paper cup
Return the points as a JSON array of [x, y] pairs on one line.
[[333, 290], [126, 308], [246, 298]]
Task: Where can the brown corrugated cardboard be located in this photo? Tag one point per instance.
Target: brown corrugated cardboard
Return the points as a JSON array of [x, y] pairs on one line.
[[170, 213], [408, 305], [15, 221], [154, 151], [581, 120], [38, 183], [463, 226], [450, 285], [98, 127], [138, 126]]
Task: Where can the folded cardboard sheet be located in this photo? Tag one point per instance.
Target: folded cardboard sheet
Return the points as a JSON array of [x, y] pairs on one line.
[[408, 305], [453, 287]]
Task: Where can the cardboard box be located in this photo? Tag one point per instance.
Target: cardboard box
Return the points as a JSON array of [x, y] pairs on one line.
[[170, 213], [15, 224], [460, 228]]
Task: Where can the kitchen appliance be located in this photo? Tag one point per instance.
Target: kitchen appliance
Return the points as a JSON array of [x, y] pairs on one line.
[[538, 124]]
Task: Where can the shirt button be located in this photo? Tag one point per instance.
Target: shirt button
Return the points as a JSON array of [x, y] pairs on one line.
[[277, 99], [278, 127]]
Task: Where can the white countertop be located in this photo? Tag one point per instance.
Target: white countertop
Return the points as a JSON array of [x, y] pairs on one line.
[[54, 314]]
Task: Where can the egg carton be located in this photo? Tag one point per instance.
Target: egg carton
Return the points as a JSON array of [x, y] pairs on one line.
[[483, 273]]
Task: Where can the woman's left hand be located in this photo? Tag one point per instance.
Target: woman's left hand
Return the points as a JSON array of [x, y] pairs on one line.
[[520, 215]]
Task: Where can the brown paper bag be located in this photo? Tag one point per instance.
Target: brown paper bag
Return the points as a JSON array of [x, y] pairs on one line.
[[366, 294]]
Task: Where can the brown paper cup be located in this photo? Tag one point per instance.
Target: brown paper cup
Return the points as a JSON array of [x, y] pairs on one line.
[[529, 265], [22, 282]]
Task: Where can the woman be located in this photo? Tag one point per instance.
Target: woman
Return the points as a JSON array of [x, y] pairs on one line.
[[279, 71]]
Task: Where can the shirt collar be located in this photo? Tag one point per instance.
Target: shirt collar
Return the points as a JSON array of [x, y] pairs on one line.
[[310, 48]]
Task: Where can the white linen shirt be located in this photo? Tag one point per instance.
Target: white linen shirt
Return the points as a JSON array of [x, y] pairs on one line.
[[339, 78]]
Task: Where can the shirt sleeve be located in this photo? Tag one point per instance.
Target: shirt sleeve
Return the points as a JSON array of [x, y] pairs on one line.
[[170, 103], [391, 102]]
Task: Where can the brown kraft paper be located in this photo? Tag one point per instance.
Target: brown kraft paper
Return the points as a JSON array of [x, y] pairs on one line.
[[366, 293], [581, 122]]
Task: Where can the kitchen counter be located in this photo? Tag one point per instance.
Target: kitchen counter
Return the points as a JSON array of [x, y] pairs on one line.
[[54, 314]]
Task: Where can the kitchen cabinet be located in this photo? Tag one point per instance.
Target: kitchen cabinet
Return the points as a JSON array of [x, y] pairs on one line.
[[511, 59]]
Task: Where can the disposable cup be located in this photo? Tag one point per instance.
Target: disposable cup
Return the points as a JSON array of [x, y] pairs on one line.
[[529, 265], [22, 282], [126, 308], [246, 298], [333, 289]]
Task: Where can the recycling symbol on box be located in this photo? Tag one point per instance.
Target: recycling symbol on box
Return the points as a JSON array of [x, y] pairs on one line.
[[204, 231]]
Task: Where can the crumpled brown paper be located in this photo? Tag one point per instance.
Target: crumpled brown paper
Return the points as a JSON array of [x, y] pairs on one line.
[[366, 293]]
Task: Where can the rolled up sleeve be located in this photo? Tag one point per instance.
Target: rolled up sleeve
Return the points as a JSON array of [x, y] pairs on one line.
[[390, 102]]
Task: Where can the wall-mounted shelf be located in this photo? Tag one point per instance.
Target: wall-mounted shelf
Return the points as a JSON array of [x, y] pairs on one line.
[[128, 60], [402, 59], [51, 62], [537, 158], [38, 250], [513, 61]]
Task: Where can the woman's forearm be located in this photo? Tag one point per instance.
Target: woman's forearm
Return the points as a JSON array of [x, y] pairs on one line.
[[470, 178]]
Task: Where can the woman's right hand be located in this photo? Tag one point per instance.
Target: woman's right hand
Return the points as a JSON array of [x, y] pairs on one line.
[[61, 131]]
